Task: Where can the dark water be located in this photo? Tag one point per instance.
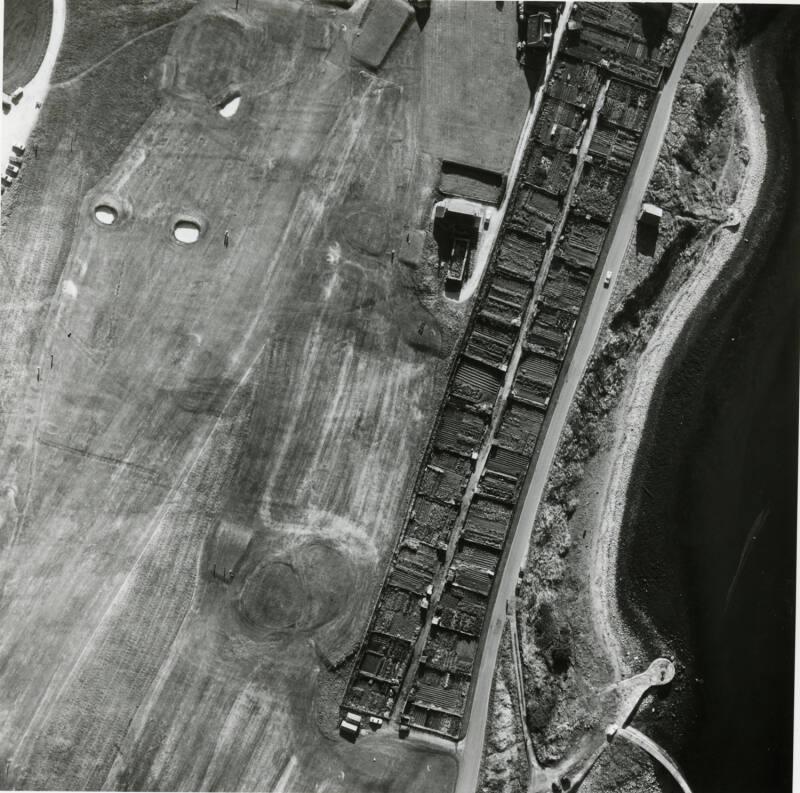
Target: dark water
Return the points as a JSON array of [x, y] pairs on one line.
[[708, 549]]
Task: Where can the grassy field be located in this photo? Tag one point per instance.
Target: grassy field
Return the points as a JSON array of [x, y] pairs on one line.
[[120, 23], [475, 94], [26, 31], [260, 406]]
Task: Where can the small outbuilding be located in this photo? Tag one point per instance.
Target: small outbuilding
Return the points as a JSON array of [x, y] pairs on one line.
[[348, 730], [651, 215], [456, 228]]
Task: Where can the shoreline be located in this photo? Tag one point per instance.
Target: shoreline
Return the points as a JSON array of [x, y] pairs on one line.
[[619, 645], [716, 458]]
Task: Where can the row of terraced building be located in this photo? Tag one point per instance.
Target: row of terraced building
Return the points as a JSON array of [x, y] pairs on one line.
[[426, 627]]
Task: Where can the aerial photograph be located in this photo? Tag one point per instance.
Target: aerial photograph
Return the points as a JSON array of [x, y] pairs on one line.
[[399, 396]]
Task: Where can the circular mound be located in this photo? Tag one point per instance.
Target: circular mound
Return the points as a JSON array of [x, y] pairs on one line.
[[215, 51], [187, 232], [272, 597], [328, 577], [228, 107], [105, 214], [367, 230]]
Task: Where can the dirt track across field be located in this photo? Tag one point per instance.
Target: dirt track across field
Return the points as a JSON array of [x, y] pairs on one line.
[[173, 412]]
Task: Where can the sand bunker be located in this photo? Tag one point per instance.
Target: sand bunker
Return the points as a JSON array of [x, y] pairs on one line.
[[228, 108], [186, 231], [105, 214]]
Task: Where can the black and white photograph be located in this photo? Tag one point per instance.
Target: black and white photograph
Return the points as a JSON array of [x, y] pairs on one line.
[[399, 396]]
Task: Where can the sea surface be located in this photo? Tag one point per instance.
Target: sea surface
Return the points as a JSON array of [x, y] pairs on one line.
[[707, 557]]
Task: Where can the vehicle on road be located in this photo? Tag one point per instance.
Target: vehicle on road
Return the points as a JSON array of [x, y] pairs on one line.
[[607, 280]]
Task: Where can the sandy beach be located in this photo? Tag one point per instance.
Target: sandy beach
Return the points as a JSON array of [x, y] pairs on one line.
[[638, 396]]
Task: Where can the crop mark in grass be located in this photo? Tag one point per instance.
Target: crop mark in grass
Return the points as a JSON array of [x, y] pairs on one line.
[[273, 597], [153, 475]]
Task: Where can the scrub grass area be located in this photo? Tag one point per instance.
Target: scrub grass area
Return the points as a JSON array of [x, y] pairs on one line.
[[120, 23], [205, 482], [209, 477]]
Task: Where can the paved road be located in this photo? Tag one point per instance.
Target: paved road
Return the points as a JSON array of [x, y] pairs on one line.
[[471, 748], [20, 121], [655, 751]]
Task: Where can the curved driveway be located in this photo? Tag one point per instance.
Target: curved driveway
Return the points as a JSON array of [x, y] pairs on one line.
[[656, 752], [19, 122], [471, 748]]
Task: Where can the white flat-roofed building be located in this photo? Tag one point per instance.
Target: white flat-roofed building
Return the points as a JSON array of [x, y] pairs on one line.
[[651, 215]]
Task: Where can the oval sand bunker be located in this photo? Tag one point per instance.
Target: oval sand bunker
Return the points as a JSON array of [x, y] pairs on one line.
[[229, 107], [186, 231], [105, 214]]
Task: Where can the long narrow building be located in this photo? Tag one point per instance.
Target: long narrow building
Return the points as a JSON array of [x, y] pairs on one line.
[[418, 655]]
